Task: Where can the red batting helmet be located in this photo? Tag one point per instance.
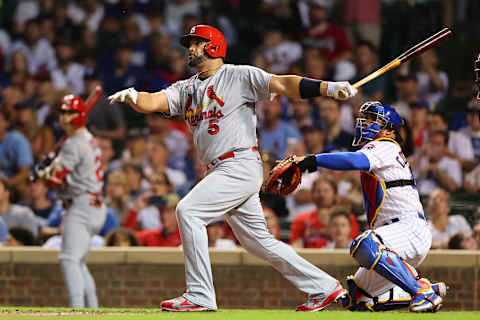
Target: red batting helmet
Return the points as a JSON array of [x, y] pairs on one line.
[[75, 103], [216, 46]]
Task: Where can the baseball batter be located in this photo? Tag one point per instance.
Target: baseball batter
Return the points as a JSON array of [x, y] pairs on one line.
[[218, 104], [398, 239], [77, 174]]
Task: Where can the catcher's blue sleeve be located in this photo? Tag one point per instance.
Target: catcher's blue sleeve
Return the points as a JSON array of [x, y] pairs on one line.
[[343, 161]]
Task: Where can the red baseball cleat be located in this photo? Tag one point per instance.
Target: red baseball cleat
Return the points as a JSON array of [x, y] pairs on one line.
[[180, 304], [318, 304]]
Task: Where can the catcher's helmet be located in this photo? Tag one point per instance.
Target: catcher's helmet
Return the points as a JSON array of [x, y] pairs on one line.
[[75, 103], [380, 117], [216, 46]]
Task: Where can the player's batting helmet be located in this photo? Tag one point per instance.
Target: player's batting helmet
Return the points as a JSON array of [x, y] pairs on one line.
[[75, 103], [379, 116], [216, 46]]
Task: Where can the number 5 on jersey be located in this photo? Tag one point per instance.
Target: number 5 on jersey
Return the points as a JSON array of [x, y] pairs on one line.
[[213, 127]]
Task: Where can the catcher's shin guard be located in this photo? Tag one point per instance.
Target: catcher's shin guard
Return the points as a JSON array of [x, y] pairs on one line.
[[371, 254]]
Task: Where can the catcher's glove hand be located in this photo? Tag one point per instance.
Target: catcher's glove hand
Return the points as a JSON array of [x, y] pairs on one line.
[[285, 177]]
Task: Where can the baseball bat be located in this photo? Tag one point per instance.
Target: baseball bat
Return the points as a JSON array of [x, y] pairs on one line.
[[411, 53]]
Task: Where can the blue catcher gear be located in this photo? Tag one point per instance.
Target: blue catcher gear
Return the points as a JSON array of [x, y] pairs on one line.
[[370, 253], [373, 117]]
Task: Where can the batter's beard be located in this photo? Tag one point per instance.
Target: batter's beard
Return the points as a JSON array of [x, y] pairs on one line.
[[195, 61]]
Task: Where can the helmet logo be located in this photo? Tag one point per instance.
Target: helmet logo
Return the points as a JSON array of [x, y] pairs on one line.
[[193, 29]]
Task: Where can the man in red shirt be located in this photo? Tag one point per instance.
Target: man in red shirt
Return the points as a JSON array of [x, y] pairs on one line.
[[309, 229], [168, 234]]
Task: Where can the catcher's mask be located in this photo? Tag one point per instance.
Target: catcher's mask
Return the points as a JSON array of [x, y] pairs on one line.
[[73, 103], [373, 117], [216, 46]]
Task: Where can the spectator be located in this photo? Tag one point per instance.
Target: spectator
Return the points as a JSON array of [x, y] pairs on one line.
[[3, 231], [124, 73], [121, 237], [459, 145], [68, 74], [331, 39], [89, 13], [442, 225], [106, 158], [39, 52], [302, 112], [432, 82], [277, 136], [174, 140], [433, 168], [15, 215], [473, 128], [362, 21], [134, 38], [175, 11], [136, 183], [158, 157], [272, 222], [117, 194], [418, 125], [168, 235], [462, 241], [336, 139], [147, 216], [309, 229], [19, 73], [301, 199], [279, 52], [216, 235], [19, 237], [40, 138], [407, 87], [367, 62], [40, 204], [339, 230], [15, 154], [136, 147]]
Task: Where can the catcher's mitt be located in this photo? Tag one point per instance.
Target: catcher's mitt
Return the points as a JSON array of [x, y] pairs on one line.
[[284, 178]]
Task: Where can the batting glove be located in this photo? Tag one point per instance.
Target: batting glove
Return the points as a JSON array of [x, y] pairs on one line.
[[121, 96], [341, 90]]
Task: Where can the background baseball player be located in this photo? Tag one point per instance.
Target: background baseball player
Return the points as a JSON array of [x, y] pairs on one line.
[[399, 237], [218, 104], [77, 174]]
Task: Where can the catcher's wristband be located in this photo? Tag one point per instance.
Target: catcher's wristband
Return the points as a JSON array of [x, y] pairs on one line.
[[309, 163]]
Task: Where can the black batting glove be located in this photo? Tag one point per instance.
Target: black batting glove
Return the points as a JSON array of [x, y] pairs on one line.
[[309, 163]]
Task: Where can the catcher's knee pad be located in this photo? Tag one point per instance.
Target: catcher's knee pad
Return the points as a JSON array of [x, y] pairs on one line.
[[370, 253]]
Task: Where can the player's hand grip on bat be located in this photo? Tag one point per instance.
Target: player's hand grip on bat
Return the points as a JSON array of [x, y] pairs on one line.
[[341, 90], [124, 95]]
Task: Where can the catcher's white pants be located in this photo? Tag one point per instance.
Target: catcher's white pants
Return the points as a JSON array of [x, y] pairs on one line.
[[232, 187], [410, 238]]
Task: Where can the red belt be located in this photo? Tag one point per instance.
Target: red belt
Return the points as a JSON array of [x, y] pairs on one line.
[[95, 201], [225, 156]]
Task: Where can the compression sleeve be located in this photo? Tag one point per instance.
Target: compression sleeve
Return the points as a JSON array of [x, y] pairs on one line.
[[343, 161]]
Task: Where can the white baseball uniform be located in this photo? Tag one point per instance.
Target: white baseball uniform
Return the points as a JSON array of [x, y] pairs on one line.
[[79, 162], [220, 112], [395, 214]]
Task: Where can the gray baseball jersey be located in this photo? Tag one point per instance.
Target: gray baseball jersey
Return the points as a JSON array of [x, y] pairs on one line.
[[85, 214], [220, 110], [81, 156]]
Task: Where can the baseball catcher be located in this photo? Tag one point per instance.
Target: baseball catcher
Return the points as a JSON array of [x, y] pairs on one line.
[[399, 238]]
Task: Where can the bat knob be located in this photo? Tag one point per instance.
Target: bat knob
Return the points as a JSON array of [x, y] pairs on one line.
[[342, 94]]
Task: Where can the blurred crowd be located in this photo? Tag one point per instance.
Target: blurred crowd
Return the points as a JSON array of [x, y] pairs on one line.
[[52, 48]]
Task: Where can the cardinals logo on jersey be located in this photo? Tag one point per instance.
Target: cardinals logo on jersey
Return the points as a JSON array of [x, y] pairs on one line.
[[194, 115]]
